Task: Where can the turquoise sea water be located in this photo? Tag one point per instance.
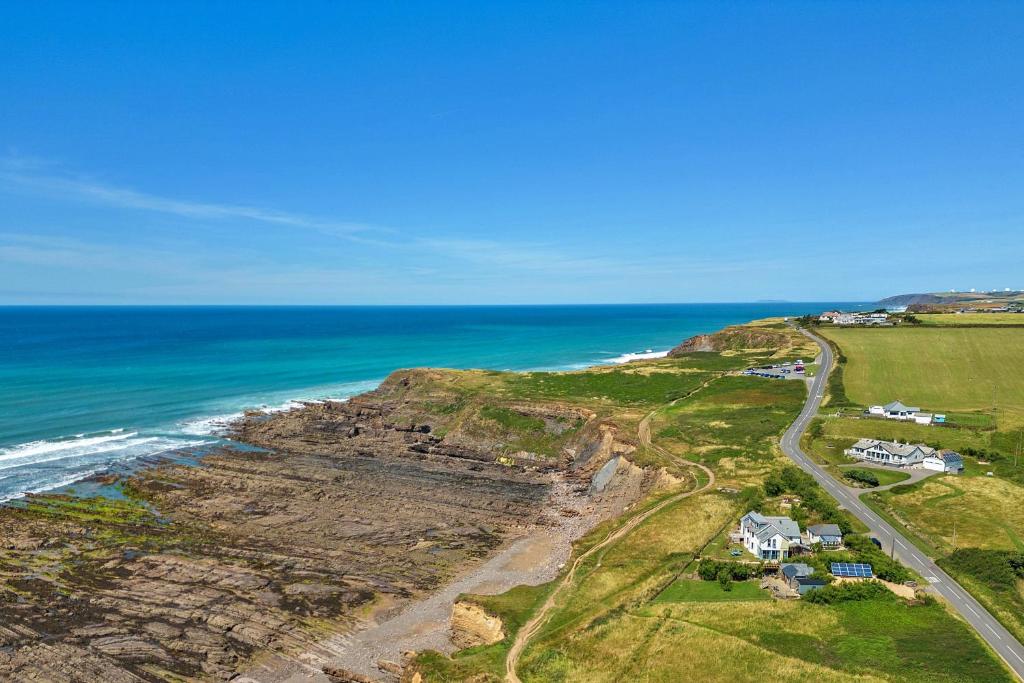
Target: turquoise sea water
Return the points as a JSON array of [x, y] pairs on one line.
[[86, 388]]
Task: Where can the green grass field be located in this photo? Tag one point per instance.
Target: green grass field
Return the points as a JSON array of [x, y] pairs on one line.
[[939, 369], [968, 319], [691, 590]]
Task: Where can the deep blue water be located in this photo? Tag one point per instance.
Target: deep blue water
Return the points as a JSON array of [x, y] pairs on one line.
[[84, 387]]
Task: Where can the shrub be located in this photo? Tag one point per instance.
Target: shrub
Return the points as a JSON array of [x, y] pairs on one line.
[[794, 480], [862, 476], [714, 570], [884, 567], [999, 569], [846, 592]]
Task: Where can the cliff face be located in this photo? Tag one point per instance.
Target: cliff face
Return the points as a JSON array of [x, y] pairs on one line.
[[733, 339]]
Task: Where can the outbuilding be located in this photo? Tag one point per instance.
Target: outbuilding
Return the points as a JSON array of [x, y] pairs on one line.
[[950, 462], [828, 535]]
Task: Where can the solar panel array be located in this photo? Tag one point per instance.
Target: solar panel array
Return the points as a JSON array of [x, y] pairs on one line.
[[852, 570]]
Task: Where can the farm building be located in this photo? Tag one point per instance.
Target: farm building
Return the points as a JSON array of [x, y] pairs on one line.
[[944, 461], [828, 535], [890, 453], [769, 538]]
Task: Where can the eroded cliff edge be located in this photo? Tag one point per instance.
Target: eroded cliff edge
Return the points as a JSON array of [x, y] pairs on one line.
[[350, 510]]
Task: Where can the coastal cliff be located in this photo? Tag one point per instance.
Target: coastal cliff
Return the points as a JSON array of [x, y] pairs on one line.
[[345, 512], [735, 338]]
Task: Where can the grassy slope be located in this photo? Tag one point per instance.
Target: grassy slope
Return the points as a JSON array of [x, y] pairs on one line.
[[614, 623]]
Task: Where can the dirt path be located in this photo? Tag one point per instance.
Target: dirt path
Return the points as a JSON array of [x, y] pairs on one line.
[[538, 620]]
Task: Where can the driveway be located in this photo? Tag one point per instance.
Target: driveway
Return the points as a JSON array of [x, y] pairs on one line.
[[915, 476]]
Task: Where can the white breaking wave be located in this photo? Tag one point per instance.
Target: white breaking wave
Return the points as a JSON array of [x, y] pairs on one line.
[[627, 357], [43, 485], [41, 466], [36, 448]]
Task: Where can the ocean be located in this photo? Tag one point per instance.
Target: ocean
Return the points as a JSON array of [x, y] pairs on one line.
[[86, 389]]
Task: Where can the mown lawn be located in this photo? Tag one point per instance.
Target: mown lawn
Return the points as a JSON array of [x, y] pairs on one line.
[[939, 369]]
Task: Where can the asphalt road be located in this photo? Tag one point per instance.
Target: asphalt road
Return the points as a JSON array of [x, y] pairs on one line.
[[1008, 647]]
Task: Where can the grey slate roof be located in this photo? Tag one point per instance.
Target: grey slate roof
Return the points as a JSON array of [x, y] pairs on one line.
[[765, 527], [825, 530], [898, 407], [901, 449], [797, 569]]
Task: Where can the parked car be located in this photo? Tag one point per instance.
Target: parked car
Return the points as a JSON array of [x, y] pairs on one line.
[[876, 542]]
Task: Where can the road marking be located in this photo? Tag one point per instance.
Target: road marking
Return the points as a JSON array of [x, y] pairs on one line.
[[900, 543], [989, 626], [1014, 653], [973, 611]]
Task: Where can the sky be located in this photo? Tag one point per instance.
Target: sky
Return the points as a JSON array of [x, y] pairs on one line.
[[500, 153]]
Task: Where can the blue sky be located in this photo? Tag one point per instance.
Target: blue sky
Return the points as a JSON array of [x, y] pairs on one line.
[[508, 153]]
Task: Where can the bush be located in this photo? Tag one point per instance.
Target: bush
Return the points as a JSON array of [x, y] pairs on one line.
[[884, 567], [999, 569], [714, 570], [862, 476], [846, 592], [794, 480]]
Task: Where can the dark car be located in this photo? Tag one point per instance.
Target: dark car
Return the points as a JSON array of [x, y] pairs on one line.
[[876, 542]]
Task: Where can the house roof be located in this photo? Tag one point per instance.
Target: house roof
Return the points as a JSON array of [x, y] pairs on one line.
[[825, 530], [897, 407], [900, 449], [796, 569], [950, 457], [765, 527]]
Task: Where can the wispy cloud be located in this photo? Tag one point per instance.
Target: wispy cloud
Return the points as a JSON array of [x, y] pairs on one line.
[[37, 177]]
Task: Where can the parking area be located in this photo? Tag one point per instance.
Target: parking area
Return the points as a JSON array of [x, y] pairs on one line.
[[795, 370]]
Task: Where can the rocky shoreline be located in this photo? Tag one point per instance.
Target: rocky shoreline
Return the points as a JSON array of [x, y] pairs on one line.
[[351, 512]]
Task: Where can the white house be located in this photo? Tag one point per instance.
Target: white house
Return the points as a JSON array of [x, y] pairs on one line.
[[944, 461], [898, 411], [861, 319], [890, 453], [828, 316], [769, 538]]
